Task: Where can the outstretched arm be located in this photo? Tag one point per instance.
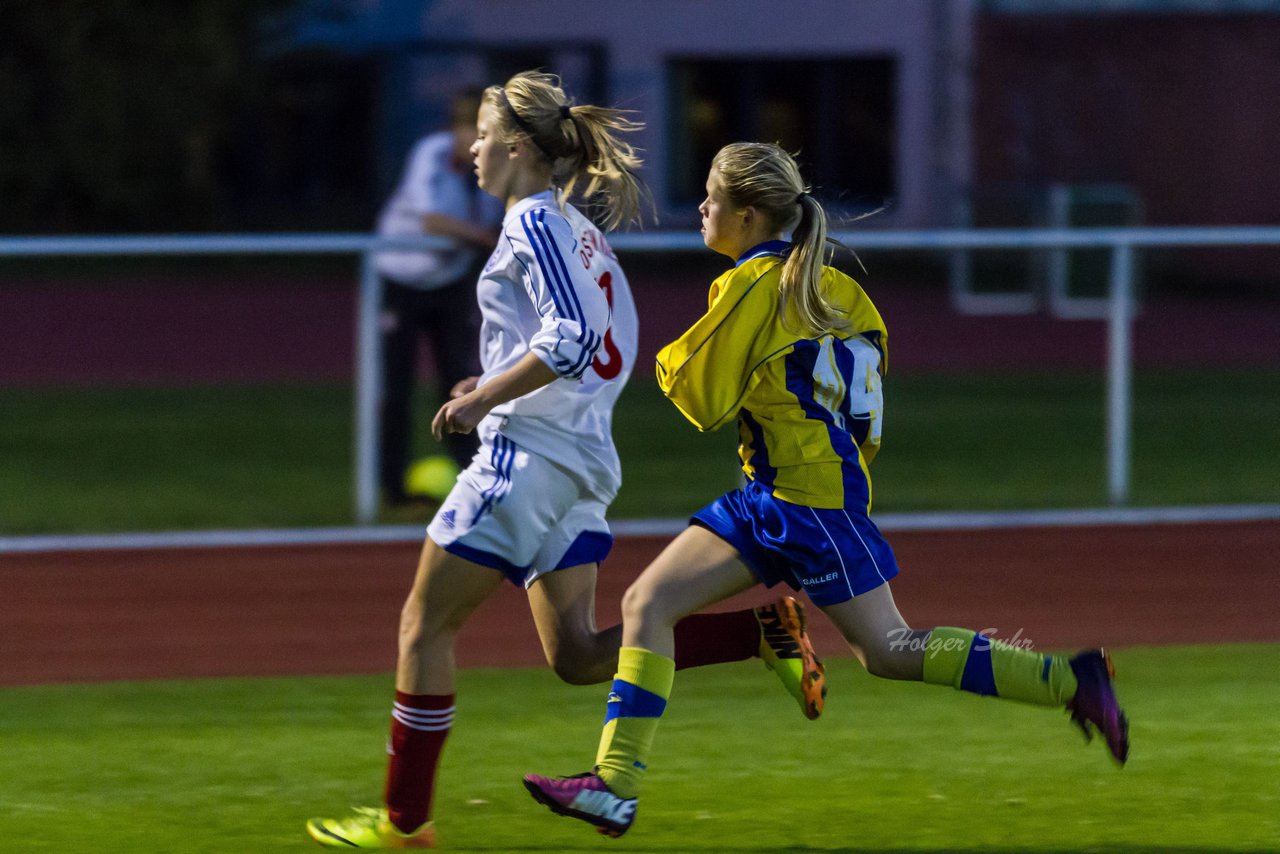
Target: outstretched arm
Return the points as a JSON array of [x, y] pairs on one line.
[[463, 413]]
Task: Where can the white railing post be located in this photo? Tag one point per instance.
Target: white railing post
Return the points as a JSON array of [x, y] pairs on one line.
[[368, 391], [1119, 373]]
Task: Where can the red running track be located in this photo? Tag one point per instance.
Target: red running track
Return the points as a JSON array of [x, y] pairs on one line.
[[87, 616]]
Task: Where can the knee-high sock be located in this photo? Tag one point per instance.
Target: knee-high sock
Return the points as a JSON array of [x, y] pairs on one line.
[[635, 705], [978, 664], [419, 725]]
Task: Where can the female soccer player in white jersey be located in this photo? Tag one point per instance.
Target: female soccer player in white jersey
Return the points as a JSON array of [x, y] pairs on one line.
[[558, 341], [794, 351]]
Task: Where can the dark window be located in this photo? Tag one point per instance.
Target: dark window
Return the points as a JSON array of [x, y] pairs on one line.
[[305, 155], [838, 115], [330, 138]]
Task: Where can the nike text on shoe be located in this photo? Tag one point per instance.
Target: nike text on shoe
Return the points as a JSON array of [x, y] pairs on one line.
[[369, 828], [584, 797], [1095, 705], [788, 652]]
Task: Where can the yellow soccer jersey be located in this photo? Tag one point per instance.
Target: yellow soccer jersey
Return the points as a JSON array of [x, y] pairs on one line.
[[809, 410]]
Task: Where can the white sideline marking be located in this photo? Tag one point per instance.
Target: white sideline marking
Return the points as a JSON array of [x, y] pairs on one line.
[[940, 521], [215, 539]]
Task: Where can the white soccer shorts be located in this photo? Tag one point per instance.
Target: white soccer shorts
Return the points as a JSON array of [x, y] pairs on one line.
[[519, 513]]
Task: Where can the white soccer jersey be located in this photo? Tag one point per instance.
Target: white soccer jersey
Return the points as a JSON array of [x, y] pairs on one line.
[[554, 286]]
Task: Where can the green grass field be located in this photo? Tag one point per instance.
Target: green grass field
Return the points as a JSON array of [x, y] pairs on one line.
[[238, 765], [210, 457]]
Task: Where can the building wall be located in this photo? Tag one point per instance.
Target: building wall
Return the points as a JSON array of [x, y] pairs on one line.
[[1184, 108], [640, 37]]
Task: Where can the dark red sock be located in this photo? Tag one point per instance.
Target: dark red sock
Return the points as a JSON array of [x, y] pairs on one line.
[[419, 725], [715, 638]]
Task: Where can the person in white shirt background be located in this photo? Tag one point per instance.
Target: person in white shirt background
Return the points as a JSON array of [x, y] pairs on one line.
[[432, 292]]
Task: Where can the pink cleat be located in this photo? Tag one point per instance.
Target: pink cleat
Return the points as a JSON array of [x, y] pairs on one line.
[[1095, 705], [584, 797]]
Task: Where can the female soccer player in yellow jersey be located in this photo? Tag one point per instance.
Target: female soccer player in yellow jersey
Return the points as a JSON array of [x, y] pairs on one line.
[[794, 351], [558, 341]]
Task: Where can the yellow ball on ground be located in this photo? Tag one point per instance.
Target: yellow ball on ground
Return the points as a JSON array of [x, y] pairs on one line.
[[431, 477]]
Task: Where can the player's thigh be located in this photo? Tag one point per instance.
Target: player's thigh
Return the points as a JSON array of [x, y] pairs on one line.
[[446, 590], [695, 570], [563, 604], [561, 582], [870, 621]]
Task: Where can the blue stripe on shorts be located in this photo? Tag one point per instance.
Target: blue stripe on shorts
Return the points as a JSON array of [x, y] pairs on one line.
[[832, 555]]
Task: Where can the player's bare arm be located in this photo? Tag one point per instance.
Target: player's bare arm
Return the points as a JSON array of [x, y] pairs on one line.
[[462, 414], [463, 386]]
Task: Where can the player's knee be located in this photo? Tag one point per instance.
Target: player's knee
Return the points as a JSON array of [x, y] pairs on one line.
[[633, 603], [640, 605], [574, 663], [570, 669], [418, 626], [410, 624]]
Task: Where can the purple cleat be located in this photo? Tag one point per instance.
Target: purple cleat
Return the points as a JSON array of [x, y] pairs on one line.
[[1095, 705], [584, 797]]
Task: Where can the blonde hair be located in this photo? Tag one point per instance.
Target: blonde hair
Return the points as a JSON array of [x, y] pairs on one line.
[[765, 177], [580, 140]]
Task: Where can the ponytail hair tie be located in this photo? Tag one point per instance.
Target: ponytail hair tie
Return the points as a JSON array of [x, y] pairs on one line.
[[564, 111]]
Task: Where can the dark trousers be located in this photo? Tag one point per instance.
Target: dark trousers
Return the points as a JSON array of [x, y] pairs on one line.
[[451, 320]]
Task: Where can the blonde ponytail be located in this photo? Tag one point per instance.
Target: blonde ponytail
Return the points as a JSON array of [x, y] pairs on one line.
[[582, 143], [765, 177]]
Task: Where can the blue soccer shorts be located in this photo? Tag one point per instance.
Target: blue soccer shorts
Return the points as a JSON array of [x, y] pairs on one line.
[[832, 555]]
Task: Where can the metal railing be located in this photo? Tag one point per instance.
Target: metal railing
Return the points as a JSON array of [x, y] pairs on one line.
[[1123, 243]]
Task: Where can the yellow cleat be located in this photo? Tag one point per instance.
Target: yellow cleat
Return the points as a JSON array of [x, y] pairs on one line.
[[788, 652], [369, 828]]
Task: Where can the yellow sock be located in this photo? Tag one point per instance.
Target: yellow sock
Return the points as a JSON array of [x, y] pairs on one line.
[[636, 702], [976, 663]]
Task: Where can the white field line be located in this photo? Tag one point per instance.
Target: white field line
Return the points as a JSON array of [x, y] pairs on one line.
[[939, 521]]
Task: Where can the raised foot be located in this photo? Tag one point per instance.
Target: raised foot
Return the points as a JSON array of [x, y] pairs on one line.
[[585, 797], [787, 651], [1095, 708]]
